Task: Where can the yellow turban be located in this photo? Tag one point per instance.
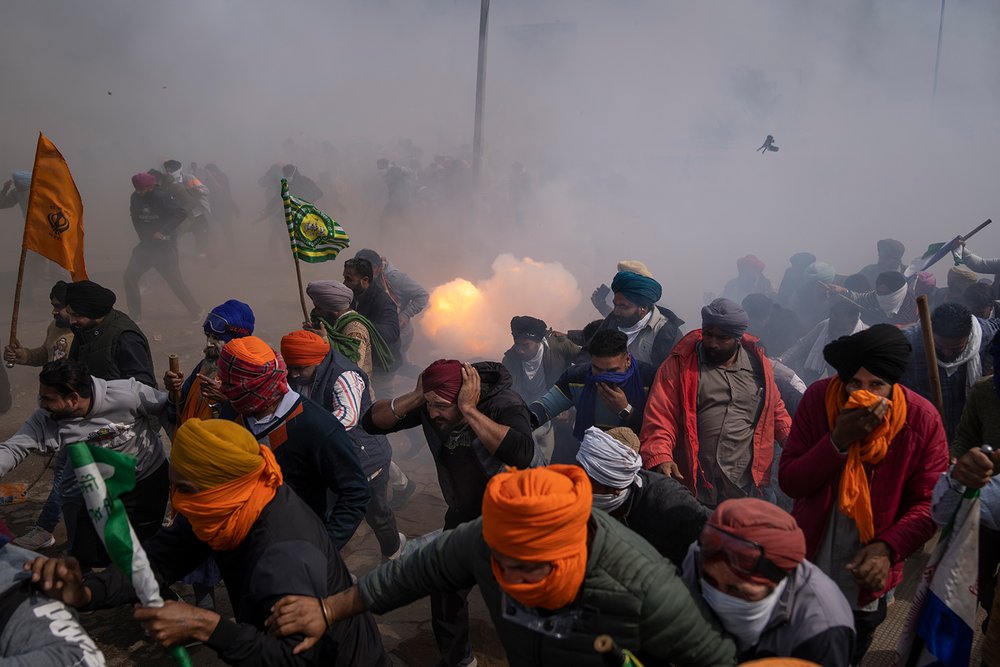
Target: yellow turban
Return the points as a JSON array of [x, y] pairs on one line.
[[211, 452]]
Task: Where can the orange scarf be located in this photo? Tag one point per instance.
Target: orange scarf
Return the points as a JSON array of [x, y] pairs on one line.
[[223, 515], [195, 405], [855, 495], [540, 515]]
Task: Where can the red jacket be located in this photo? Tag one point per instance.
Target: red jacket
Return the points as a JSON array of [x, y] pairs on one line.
[[670, 422], [901, 485]]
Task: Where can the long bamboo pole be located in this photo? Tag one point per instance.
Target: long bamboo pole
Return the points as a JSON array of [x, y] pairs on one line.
[[930, 353]]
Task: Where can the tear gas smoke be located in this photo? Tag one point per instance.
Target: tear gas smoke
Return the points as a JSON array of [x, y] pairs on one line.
[[471, 321]]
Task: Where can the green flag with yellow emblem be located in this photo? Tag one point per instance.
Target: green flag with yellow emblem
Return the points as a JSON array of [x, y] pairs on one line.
[[315, 236]]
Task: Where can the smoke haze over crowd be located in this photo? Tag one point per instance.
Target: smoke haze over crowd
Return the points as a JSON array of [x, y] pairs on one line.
[[636, 121]]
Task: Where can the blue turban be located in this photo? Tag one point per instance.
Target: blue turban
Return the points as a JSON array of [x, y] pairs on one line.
[[640, 290], [22, 179], [727, 315], [233, 319]]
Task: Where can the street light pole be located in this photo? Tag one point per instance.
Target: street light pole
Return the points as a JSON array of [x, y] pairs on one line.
[[477, 138]]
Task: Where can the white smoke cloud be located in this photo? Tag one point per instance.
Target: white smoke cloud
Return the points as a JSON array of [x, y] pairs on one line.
[[471, 321]]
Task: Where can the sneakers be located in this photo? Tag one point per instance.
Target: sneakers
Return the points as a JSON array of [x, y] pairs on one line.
[[400, 497], [35, 539], [399, 551]]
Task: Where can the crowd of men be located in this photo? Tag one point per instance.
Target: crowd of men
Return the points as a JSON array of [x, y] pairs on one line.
[[748, 489]]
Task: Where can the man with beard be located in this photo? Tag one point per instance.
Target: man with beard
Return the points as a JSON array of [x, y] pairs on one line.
[[199, 395], [714, 411], [58, 338], [613, 376], [156, 216], [861, 461], [475, 425], [961, 341], [121, 415], [652, 331], [372, 302], [105, 340]]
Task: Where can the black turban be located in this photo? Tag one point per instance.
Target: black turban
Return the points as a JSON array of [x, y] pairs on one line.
[[89, 299], [58, 292], [524, 326], [882, 350]]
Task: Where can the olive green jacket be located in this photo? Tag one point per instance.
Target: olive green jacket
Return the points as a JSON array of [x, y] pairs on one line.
[[629, 592]]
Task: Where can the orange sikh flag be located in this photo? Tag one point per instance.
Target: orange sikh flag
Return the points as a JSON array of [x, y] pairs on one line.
[[54, 225]]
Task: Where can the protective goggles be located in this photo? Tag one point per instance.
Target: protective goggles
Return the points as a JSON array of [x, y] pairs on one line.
[[217, 326], [743, 556]]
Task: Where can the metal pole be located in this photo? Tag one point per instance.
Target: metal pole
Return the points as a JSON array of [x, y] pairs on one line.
[[477, 138], [937, 58]]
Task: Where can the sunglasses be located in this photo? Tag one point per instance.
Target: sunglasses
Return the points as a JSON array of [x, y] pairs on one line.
[[743, 556]]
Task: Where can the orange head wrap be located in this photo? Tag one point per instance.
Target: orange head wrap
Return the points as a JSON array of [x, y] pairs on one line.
[[855, 496], [237, 477], [304, 348], [540, 515]]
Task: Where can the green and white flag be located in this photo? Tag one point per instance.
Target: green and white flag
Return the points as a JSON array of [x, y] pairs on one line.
[[104, 475], [315, 236]]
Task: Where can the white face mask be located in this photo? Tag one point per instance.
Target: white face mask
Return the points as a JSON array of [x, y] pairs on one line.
[[891, 303], [741, 618], [611, 501]]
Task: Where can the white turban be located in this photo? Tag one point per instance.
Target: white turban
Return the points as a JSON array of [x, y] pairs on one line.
[[609, 461]]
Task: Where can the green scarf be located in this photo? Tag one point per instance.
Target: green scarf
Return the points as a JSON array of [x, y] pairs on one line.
[[382, 357]]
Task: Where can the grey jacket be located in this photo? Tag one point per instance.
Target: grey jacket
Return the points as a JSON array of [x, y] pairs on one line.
[[40, 632], [409, 296], [123, 417], [629, 592], [812, 620]]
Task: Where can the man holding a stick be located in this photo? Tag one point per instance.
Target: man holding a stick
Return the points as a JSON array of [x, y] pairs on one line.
[[961, 344]]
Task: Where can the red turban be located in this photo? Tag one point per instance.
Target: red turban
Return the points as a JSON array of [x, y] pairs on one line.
[[750, 263], [143, 181], [765, 524], [252, 375], [444, 378], [304, 348]]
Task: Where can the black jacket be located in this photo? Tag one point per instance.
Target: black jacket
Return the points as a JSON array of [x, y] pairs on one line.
[[665, 513], [115, 349], [156, 211], [499, 402], [381, 311], [286, 552]]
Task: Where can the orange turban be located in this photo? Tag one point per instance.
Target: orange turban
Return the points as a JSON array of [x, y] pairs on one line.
[[237, 477], [540, 515], [304, 348]]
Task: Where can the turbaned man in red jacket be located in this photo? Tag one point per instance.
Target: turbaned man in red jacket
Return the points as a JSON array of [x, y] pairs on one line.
[[860, 463], [714, 413]]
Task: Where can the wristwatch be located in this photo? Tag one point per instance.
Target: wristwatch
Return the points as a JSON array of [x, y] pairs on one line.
[[626, 412]]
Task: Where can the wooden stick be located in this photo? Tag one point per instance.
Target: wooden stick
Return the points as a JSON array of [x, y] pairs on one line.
[[175, 367], [930, 353], [17, 300], [302, 294]]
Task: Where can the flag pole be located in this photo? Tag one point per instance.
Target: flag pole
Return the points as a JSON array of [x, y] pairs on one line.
[[302, 294], [17, 300]]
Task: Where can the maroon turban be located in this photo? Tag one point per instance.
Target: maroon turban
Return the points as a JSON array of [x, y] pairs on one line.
[[444, 378], [765, 524], [143, 181]]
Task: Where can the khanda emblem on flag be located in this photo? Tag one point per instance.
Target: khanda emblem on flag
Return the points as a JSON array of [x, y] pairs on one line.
[[314, 236], [58, 222]]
